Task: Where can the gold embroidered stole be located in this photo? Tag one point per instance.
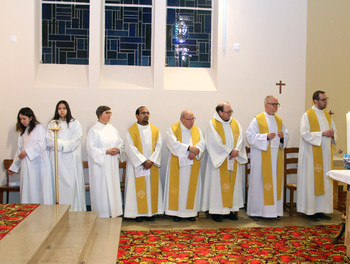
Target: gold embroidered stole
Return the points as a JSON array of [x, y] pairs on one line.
[[140, 182], [317, 151], [227, 183], [174, 179], [267, 163]]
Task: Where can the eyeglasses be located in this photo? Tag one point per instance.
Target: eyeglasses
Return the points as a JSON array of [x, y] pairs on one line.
[[324, 99], [274, 104], [189, 119], [228, 112], [145, 113]]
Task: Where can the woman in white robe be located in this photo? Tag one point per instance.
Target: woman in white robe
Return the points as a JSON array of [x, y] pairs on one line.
[[70, 168], [105, 148], [32, 160]]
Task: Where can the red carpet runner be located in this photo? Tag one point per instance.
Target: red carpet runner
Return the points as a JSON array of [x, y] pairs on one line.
[[12, 214], [233, 245]]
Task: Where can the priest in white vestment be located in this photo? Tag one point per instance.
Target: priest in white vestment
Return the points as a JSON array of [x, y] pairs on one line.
[[318, 133], [183, 184], [267, 137], [105, 148], [143, 188], [222, 191], [32, 159], [70, 167]]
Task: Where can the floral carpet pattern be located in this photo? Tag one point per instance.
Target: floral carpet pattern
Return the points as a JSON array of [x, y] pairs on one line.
[[293, 244], [12, 214]]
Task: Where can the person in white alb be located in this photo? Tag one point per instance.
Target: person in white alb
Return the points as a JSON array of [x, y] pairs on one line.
[[70, 166], [318, 133], [183, 183], [143, 188], [222, 190], [267, 137], [32, 159], [105, 148]]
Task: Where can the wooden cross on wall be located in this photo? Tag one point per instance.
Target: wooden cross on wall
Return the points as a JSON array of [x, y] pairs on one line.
[[330, 113], [280, 84]]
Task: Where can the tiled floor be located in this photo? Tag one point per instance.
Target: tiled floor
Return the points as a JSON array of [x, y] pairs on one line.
[[204, 222]]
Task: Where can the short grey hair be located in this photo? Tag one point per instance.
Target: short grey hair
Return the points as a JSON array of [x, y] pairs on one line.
[[269, 97]]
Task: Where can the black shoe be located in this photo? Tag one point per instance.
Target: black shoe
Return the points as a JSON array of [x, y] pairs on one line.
[[323, 216], [139, 219], [150, 219], [192, 219], [255, 218], [176, 219], [232, 216], [217, 217], [314, 217]]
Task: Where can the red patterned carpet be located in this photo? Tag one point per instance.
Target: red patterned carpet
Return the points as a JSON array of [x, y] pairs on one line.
[[233, 245], [12, 214]]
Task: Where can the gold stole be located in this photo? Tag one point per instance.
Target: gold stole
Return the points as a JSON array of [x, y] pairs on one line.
[[174, 180], [227, 183], [140, 182], [317, 151], [267, 163]]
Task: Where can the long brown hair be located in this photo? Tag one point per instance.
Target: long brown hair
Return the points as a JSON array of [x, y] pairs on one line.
[[26, 111]]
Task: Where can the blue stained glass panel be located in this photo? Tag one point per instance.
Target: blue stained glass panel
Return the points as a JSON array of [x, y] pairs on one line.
[[130, 2], [188, 37], [65, 33], [128, 33], [190, 3]]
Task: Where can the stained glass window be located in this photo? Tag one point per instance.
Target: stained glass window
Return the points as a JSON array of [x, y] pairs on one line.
[[65, 31], [188, 33], [128, 32]]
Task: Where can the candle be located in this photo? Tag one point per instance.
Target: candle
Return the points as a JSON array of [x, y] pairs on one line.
[[348, 132]]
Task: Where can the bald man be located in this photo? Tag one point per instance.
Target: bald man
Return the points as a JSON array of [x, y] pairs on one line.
[[222, 192], [186, 145]]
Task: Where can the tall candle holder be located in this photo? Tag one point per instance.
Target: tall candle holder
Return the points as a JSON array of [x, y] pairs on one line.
[[55, 126]]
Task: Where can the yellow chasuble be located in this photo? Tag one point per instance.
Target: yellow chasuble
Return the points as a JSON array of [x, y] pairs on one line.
[[267, 163], [227, 182], [140, 182], [317, 151], [174, 179]]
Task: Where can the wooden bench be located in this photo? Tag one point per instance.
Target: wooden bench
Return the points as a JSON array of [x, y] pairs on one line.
[[7, 187], [122, 165]]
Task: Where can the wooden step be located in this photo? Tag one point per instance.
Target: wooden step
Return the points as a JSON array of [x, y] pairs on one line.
[[103, 246], [71, 240], [28, 240]]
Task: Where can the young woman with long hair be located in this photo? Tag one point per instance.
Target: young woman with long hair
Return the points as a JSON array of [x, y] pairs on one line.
[[32, 160], [70, 167]]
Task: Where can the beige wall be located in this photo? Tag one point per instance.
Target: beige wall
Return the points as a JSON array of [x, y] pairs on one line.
[[272, 38], [328, 58]]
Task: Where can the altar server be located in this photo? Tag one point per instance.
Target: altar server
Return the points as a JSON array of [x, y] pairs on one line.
[[105, 148], [70, 167], [31, 158]]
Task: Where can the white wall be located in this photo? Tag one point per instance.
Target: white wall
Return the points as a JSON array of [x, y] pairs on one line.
[[272, 38]]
